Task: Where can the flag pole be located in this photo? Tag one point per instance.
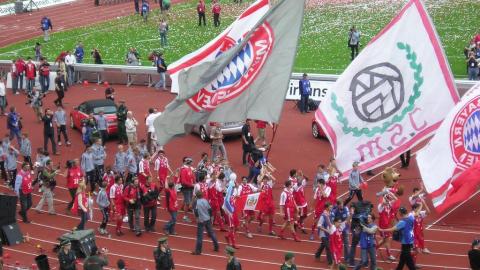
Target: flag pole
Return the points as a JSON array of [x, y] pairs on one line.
[[275, 127]]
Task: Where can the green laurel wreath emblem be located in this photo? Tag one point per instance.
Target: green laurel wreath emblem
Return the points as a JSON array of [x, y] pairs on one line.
[[411, 56]]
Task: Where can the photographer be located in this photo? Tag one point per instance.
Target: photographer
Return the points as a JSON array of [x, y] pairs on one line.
[[97, 260], [49, 183], [367, 244], [35, 101], [97, 57], [150, 195], [132, 195], [48, 131], [66, 256], [472, 65]]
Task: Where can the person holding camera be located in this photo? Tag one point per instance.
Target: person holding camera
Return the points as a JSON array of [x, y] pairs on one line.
[[49, 183], [66, 256], [132, 195], [97, 260], [367, 244], [472, 64], [353, 41], [405, 230], [163, 255], [150, 195], [48, 131], [217, 143]]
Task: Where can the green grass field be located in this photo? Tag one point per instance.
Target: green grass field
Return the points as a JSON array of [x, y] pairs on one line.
[[322, 46]]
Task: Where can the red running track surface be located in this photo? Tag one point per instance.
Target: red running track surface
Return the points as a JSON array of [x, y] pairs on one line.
[[294, 147]]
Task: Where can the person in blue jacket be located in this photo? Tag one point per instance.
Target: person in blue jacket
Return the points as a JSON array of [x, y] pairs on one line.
[[46, 26], [367, 244], [145, 10], [305, 90], [79, 52]]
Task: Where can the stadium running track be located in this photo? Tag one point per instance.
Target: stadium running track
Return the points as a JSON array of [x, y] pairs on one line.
[[448, 236]]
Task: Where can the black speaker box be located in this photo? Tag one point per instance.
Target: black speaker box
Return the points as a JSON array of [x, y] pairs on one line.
[[82, 241], [8, 204], [12, 234]]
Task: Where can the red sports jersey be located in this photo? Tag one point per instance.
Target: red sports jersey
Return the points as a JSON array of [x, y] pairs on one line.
[[116, 194], [26, 186], [299, 194], [110, 179], [321, 196], [212, 199], [386, 215], [419, 240], [268, 205], [332, 183], [187, 178], [245, 189], [203, 187], [143, 171], [172, 203], [161, 166], [74, 175]]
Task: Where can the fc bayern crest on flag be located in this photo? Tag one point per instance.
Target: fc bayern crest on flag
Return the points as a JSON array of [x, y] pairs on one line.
[[239, 74], [465, 135]]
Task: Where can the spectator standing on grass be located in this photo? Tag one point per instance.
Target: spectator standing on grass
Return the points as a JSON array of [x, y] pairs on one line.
[[14, 75], [97, 57], [161, 69], [24, 189], [162, 255], [3, 97], [289, 263], [203, 213], [131, 128], [232, 262], [145, 10], [353, 41], [136, 4], [121, 119], [70, 60], [46, 26], [216, 8], [163, 30], [305, 89], [44, 75], [14, 125], [201, 13], [30, 74], [20, 67], [38, 51], [60, 120], [132, 58], [472, 64], [474, 255], [79, 52]]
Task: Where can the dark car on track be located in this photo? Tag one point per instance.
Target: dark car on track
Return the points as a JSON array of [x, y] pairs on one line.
[[81, 112]]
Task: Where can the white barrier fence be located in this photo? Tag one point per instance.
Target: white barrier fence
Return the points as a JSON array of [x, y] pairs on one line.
[[141, 75]]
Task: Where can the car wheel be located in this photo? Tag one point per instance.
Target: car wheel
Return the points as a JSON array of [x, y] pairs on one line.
[[203, 134], [315, 131], [72, 125]]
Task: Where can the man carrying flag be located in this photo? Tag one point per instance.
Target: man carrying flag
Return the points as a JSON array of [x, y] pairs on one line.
[[229, 208], [382, 104], [243, 73], [449, 164]]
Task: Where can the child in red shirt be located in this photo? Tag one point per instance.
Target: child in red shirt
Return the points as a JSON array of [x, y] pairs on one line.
[[171, 204], [288, 206], [320, 197], [246, 189], [386, 217], [268, 210], [336, 244], [116, 196]]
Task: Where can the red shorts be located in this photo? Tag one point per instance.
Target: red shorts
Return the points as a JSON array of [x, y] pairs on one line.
[[120, 210], [303, 211], [419, 241], [386, 234], [289, 214], [233, 221], [337, 256]]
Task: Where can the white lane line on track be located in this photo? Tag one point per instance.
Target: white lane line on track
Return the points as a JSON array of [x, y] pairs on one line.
[[453, 209]]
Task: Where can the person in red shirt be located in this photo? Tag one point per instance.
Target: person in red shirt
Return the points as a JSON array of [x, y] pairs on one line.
[[216, 13], [74, 176], [232, 218], [186, 179], [261, 126], [215, 198], [109, 178], [171, 204], [144, 169], [476, 39], [386, 215], [23, 189], [162, 168], [150, 195], [299, 197], [336, 244], [80, 206], [320, 197], [268, 210], [332, 182], [30, 74], [132, 195], [246, 189], [201, 13], [20, 67], [118, 203], [419, 239], [288, 206]]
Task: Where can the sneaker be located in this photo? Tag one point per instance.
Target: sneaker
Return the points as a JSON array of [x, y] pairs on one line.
[[304, 231], [311, 237], [186, 219], [426, 251], [17, 93], [100, 230], [249, 235], [391, 258], [32, 172], [69, 143], [272, 233], [95, 193], [59, 143]]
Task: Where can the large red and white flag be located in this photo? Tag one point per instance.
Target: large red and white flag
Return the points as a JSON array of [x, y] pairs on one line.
[[449, 164], [392, 96], [252, 202], [227, 39]]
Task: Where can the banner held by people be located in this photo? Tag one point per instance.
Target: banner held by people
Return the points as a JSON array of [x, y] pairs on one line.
[[248, 80], [392, 96], [454, 150]]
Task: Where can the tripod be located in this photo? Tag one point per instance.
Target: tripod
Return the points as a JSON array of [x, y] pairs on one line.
[[30, 5]]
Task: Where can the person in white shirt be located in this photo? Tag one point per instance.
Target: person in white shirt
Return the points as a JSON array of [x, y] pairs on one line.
[[3, 97], [70, 60], [152, 114], [131, 127]]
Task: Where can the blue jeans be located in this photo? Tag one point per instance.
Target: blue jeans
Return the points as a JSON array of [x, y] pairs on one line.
[[304, 103], [14, 84], [473, 74], [20, 82], [353, 247], [162, 81], [83, 219], [30, 85], [44, 83], [207, 225], [346, 251], [163, 39], [15, 134], [366, 253], [170, 225]]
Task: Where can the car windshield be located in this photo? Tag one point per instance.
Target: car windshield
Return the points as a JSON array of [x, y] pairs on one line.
[[105, 109]]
